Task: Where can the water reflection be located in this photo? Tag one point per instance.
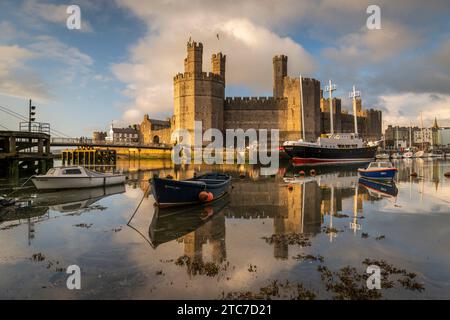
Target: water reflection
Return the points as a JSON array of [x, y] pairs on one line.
[[332, 206]]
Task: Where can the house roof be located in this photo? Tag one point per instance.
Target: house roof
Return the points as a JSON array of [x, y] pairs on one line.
[[160, 122], [125, 130]]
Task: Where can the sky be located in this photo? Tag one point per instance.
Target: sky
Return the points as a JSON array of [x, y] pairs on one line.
[[121, 63]]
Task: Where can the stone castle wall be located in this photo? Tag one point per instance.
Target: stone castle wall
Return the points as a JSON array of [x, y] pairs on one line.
[[200, 96]]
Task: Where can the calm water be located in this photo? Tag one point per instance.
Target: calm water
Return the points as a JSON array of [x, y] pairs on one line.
[[344, 221]]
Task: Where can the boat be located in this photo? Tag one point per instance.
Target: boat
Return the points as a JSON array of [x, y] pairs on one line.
[[408, 154], [331, 148], [378, 171], [75, 177], [197, 190], [379, 189], [172, 223], [419, 154], [382, 156], [436, 154], [397, 155]]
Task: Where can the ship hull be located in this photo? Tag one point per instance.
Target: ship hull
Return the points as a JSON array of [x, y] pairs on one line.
[[304, 155]]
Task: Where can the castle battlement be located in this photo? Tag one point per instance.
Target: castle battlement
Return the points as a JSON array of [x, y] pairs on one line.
[[280, 57], [207, 76], [218, 55], [253, 102], [193, 44]]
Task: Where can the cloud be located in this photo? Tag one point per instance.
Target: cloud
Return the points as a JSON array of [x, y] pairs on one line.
[[37, 12], [15, 78], [19, 79], [76, 64], [400, 109], [248, 43], [372, 46]]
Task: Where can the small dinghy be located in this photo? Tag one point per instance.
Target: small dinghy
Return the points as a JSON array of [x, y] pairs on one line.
[[378, 171], [75, 177], [200, 189]]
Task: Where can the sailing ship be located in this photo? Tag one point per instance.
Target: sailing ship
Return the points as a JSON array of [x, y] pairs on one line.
[[332, 148]]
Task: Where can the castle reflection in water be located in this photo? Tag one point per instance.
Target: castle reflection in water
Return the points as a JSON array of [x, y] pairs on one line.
[[294, 204]]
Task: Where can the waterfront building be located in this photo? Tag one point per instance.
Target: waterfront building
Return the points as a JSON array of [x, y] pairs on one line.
[[154, 131], [400, 136], [124, 135], [431, 137]]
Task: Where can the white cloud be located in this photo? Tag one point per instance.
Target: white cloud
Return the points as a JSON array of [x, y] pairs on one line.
[[248, 43], [402, 108], [372, 46], [15, 79], [77, 65], [40, 11]]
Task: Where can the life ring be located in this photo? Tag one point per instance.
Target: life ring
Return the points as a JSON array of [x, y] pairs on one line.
[[312, 172]]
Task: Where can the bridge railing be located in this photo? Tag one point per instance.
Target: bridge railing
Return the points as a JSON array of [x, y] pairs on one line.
[[89, 141], [40, 127]]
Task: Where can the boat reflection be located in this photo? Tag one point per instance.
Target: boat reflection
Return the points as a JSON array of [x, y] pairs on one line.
[[174, 223], [378, 189], [75, 199], [39, 203]]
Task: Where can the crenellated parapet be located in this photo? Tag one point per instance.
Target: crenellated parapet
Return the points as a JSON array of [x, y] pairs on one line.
[[206, 76], [254, 103]]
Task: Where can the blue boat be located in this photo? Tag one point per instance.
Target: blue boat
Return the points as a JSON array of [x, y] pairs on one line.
[[172, 223], [379, 189], [378, 171], [197, 190]]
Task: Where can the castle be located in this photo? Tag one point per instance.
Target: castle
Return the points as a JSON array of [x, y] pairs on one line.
[[200, 96]]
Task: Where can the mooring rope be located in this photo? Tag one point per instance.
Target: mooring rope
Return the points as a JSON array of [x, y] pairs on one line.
[[21, 187], [134, 213]]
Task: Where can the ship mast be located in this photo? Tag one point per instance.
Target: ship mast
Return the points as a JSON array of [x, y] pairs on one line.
[[303, 110], [330, 88], [421, 128], [354, 94], [410, 139]]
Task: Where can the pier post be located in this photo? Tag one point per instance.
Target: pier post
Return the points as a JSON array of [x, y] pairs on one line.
[[12, 145], [14, 170], [40, 147]]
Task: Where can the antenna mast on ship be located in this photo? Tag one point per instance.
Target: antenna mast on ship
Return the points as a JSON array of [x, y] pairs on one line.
[[330, 88], [354, 94], [303, 112]]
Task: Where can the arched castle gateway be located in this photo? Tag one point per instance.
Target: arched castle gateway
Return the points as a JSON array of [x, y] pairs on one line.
[[200, 96]]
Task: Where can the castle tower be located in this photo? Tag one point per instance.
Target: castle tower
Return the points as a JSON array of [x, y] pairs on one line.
[[194, 59], [279, 72], [218, 64], [199, 96]]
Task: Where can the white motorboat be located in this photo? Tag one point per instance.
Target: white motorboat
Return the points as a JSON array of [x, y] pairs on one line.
[[408, 154], [397, 155], [75, 177], [382, 156]]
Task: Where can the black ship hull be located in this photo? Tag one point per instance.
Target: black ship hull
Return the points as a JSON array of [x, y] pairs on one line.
[[302, 155]]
